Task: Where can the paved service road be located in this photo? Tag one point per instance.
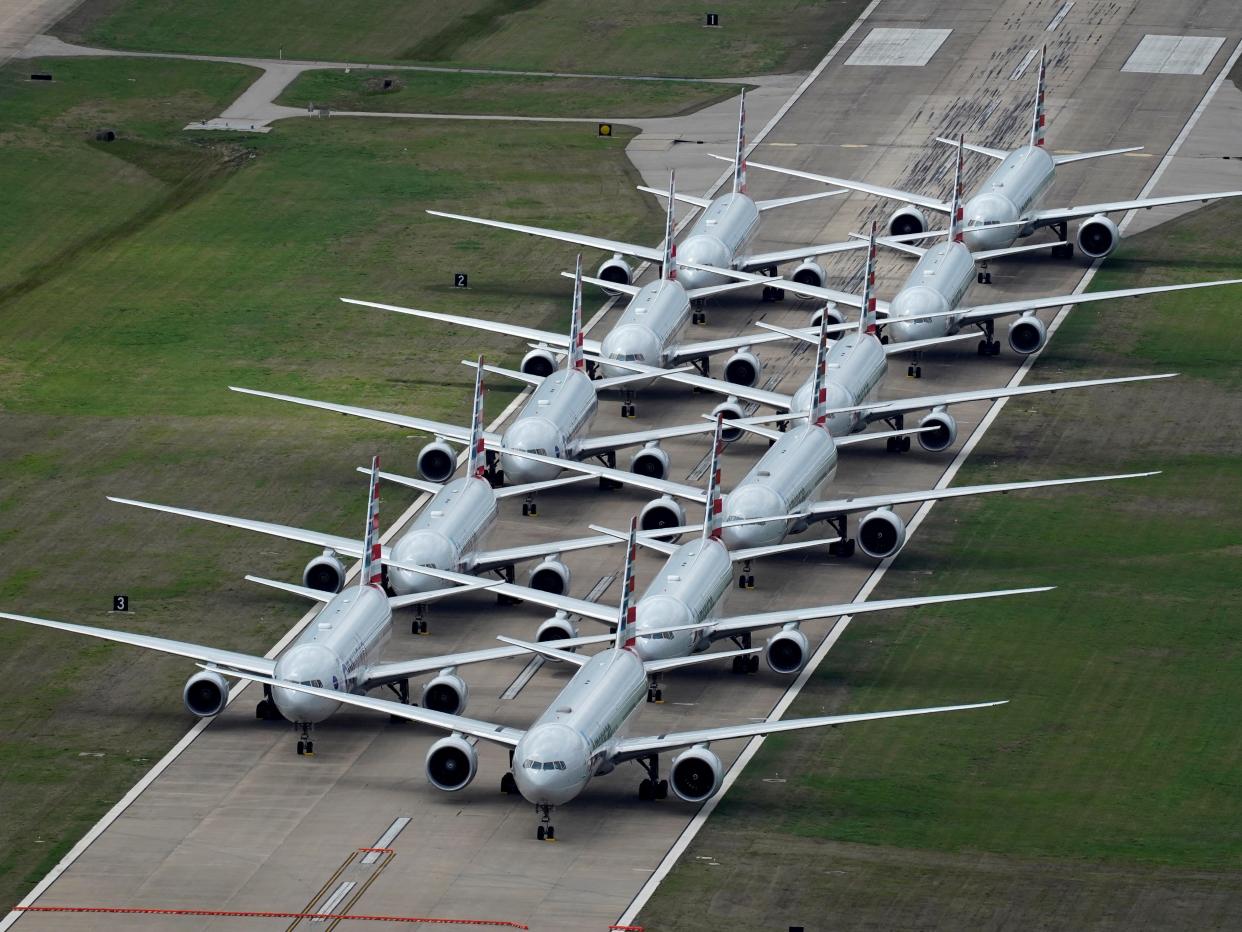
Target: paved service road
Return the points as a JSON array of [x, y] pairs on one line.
[[239, 822]]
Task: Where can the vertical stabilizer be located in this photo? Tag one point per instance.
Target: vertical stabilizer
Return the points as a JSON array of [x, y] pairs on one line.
[[739, 158], [372, 566], [712, 521], [866, 323], [625, 618], [477, 465], [668, 268], [957, 211], [575, 360], [1040, 119], [819, 385]]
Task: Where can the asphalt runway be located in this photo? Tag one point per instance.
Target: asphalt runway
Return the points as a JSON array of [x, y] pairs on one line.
[[239, 822]]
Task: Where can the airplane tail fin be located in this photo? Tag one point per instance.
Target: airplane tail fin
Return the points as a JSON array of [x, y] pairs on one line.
[[372, 565], [668, 267], [714, 519], [1040, 119], [739, 158], [626, 637], [956, 211], [477, 465], [819, 386], [866, 322], [575, 359]]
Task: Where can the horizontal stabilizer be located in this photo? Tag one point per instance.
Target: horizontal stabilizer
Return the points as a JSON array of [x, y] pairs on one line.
[[315, 595], [680, 198], [1083, 156], [552, 653], [999, 154], [796, 199]]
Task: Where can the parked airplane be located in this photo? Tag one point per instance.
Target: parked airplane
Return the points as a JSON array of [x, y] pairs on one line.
[[343, 648], [1005, 205], [582, 733]]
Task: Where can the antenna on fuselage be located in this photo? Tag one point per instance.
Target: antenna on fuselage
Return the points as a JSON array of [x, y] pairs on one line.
[[739, 158], [372, 565], [575, 360], [477, 466], [714, 517], [668, 267], [1040, 119], [956, 211], [625, 617]]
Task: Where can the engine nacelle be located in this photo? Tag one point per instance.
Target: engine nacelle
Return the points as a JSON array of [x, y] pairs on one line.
[[731, 411], [550, 575], [616, 270], [539, 362], [696, 775], [743, 368], [661, 513], [810, 272], [651, 461], [881, 534], [831, 311], [447, 692], [1027, 335], [943, 436], [907, 220], [205, 693], [787, 651], [325, 573], [557, 628], [452, 763], [1097, 236], [437, 461]]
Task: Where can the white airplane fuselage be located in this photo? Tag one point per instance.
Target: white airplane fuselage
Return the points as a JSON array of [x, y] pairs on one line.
[[334, 652], [572, 740], [935, 285], [650, 321], [1008, 195], [857, 365], [690, 588], [445, 532], [559, 411], [718, 237]]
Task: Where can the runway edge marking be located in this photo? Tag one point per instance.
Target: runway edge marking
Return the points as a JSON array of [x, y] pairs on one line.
[[752, 746]]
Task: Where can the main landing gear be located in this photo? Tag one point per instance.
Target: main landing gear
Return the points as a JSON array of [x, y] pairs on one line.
[[265, 709], [401, 689], [306, 747], [492, 471], [988, 346], [897, 444], [744, 665], [1062, 250], [545, 831], [652, 787], [844, 547], [746, 580], [508, 574], [609, 459]]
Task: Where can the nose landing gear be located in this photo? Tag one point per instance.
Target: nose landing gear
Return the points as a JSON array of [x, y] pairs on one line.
[[545, 831], [419, 624], [529, 508], [746, 580], [306, 747]]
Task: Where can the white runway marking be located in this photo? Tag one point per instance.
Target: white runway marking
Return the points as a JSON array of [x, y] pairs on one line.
[[332, 902], [1173, 54], [899, 47], [1061, 14], [1020, 70], [385, 840]]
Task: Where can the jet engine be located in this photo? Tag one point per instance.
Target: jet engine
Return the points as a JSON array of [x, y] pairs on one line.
[[325, 573], [731, 410], [907, 220], [557, 628], [810, 272], [832, 311], [696, 775], [452, 763], [743, 368], [550, 575], [539, 362], [205, 693], [616, 270], [1027, 335], [447, 692], [1097, 236], [881, 534], [650, 461], [787, 651], [661, 513], [943, 436], [437, 461]]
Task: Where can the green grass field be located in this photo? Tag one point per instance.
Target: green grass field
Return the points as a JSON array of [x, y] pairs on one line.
[[656, 37], [147, 274], [437, 92], [1106, 794]]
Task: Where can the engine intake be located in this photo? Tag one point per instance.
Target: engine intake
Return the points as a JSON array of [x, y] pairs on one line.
[[437, 461], [557, 628], [651, 461], [829, 310], [325, 573], [881, 534], [539, 362], [943, 436], [660, 513], [787, 651], [616, 270], [447, 692], [1027, 335], [696, 775], [731, 411], [743, 368], [205, 693], [907, 220], [810, 272], [1097, 236], [551, 575], [452, 763]]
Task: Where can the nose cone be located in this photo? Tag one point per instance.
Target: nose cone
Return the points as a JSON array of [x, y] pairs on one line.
[[310, 665], [531, 435], [838, 424], [908, 318], [753, 501], [652, 616], [426, 548], [702, 250], [989, 209], [550, 764], [630, 343]]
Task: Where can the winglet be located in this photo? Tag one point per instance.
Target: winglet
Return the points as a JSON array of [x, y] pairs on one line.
[[866, 322], [478, 458], [372, 566], [956, 211], [739, 159], [713, 521], [1040, 119], [668, 266], [575, 358], [626, 638]]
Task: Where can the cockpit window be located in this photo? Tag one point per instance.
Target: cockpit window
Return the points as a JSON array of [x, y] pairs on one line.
[[316, 683], [531, 764]]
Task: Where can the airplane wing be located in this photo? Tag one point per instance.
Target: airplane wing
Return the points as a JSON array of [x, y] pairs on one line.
[[991, 311], [896, 194], [477, 323], [228, 660], [632, 748], [486, 731], [687, 352], [1043, 218], [593, 446], [617, 475], [761, 259], [740, 624], [809, 291], [484, 560], [885, 409], [449, 431], [595, 242], [844, 506], [758, 395]]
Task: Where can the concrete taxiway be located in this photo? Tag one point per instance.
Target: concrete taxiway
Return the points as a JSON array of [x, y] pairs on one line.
[[238, 822]]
